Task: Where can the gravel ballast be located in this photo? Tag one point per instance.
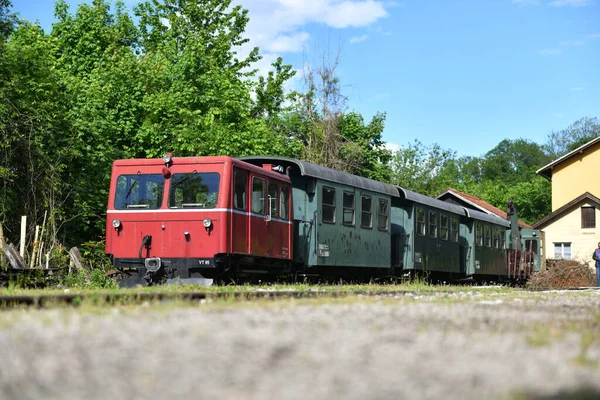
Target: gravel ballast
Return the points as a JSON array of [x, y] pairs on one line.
[[466, 345]]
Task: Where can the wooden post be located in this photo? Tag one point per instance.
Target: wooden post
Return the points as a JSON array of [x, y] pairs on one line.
[[36, 244], [42, 239], [2, 257], [14, 259], [23, 233], [75, 257]]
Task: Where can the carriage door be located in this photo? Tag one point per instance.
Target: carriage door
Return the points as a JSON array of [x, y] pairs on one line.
[[240, 216], [259, 219]]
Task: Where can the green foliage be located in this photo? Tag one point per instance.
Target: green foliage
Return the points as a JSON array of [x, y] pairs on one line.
[[575, 135]]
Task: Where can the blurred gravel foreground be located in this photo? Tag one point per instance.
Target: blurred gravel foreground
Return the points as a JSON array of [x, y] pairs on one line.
[[468, 345]]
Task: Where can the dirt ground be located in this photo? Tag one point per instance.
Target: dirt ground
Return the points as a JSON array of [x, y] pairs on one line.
[[470, 345]]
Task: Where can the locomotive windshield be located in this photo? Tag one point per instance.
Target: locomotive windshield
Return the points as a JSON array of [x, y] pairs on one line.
[[143, 191], [194, 190]]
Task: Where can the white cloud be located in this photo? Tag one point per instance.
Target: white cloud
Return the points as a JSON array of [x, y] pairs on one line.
[[571, 42], [577, 89], [557, 115], [527, 2], [281, 26], [594, 36], [380, 96], [549, 52], [570, 3], [358, 39], [392, 147]]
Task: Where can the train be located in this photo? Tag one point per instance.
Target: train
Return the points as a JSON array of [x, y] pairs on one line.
[[217, 218]]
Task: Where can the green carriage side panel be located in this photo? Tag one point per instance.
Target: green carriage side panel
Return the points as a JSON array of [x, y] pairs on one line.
[[489, 254], [432, 245], [351, 244], [531, 242]]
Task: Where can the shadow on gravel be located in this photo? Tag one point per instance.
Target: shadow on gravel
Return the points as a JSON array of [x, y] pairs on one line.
[[579, 394]]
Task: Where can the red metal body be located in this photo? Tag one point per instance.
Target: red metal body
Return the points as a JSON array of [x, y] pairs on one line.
[[246, 219]]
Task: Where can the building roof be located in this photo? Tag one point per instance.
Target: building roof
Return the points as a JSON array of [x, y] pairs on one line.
[[558, 211], [546, 171], [478, 204], [328, 174]]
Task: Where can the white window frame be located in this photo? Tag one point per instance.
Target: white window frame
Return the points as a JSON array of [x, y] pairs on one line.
[[562, 254]]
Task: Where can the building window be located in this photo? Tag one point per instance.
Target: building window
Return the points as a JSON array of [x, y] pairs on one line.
[[348, 217], [562, 250], [328, 209], [432, 224], [366, 212], [420, 221], [479, 234], [454, 229], [588, 217], [382, 215]]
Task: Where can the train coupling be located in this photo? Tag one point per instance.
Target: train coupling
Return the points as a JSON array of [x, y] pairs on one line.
[[152, 264]]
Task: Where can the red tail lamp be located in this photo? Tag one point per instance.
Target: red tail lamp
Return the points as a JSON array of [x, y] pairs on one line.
[[166, 172]]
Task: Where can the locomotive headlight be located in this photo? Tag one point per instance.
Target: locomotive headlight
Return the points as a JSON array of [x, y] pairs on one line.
[[116, 223], [207, 223], [167, 158]]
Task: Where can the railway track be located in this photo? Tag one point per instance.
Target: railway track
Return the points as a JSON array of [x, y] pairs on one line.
[[78, 299], [68, 299]]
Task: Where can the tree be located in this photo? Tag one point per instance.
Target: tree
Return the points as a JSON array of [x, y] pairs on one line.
[[513, 161], [568, 139]]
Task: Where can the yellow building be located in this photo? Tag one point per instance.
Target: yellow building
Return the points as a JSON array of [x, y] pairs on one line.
[[570, 230]]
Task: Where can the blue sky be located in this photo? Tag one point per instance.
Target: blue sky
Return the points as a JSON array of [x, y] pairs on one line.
[[463, 74]]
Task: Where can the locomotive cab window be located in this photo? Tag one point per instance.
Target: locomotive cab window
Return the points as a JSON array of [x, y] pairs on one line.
[[259, 194], [273, 199], [432, 224], [420, 221], [382, 214], [349, 210], [479, 234], [328, 206], [194, 190], [139, 191], [454, 229], [240, 190], [443, 227], [284, 202], [366, 214]]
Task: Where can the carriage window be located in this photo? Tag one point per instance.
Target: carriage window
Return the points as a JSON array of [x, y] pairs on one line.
[[273, 192], [479, 234], [284, 200], [240, 190], [328, 208], [194, 190], [496, 238], [454, 229], [366, 217], [420, 221], [486, 235], [502, 240], [348, 218], [259, 194], [443, 227], [382, 215], [432, 224], [139, 191]]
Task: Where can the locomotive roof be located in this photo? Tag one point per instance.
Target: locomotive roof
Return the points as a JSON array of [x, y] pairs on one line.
[[421, 198], [328, 174]]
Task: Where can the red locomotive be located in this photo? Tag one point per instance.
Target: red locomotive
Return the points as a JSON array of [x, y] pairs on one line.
[[198, 217]]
